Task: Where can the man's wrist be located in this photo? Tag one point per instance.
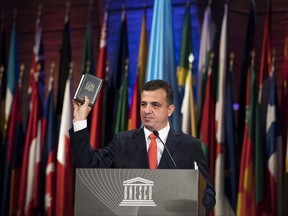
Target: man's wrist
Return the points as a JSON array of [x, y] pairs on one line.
[[79, 125]]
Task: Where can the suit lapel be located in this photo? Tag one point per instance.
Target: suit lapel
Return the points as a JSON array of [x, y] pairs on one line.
[[166, 162], [138, 140]]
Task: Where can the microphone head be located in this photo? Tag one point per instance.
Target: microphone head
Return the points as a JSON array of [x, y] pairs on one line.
[[155, 132]]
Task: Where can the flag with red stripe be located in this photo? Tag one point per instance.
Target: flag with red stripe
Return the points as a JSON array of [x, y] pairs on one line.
[[29, 197], [14, 153], [97, 118], [64, 171]]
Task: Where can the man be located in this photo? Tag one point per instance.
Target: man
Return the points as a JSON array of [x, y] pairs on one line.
[[130, 149]]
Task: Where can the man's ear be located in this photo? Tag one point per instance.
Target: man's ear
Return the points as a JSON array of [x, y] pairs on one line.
[[171, 109]]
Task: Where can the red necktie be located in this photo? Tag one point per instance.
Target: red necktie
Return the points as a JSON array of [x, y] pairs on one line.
[[152, 152]]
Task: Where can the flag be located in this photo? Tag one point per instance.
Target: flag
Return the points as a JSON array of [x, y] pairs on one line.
[[185, 51], [37, 69], [30, 171], [88, 65], [143, 52], [206, 44], [64, 171], [122, 111], [15, 144], [29, 196], [49, 155], [134, 115], [118, 71], [207, 125], [231, 171], [161, 60], [13, 72], [249, 46], [221, 206], [261, 197], [187, 108], [97, 118], [65, 61], [115, 78], [272, 134], [246, 196], [3, 86]]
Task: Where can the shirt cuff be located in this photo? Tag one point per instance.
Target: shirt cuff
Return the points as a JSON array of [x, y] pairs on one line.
[[79, 125]]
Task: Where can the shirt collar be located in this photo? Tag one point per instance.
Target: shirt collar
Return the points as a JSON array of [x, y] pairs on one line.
[[163, 133]]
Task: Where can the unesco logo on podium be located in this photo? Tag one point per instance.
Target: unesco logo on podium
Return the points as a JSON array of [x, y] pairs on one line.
[[138, 192]]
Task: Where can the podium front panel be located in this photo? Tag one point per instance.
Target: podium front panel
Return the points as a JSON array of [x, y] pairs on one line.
[[137, 192]]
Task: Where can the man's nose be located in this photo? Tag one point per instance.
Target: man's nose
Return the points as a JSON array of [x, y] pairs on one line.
[[147, 109]]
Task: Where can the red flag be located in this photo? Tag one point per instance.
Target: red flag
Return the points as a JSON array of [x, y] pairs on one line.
[[246, 195], [64, 179], [29, 197], [97, 112], [30, 174], [134, 115], [49, 155], [14, 155], [207, 127]]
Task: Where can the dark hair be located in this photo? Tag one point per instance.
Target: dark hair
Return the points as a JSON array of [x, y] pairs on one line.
[[160, 84]]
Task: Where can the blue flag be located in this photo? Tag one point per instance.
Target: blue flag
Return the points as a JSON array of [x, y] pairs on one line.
[[161, 59]]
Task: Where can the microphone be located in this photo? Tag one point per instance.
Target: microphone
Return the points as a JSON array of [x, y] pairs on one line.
[[155, 132]]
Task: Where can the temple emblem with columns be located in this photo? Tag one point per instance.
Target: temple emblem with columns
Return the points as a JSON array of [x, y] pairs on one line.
[[137, 192]]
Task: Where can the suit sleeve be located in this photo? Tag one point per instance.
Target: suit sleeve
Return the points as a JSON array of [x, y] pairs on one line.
[[84, 156], [209, 196]]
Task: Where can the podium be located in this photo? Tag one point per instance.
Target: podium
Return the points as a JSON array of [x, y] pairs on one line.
[[139, 192]]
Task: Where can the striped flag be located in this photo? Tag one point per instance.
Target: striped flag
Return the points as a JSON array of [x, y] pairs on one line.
[[15, 144], [3, 87], [134, 115], [29, 197], [185, 51], [143, 51], [13, 72], [249, 46], [161, 60], [206, 44], [97, 118], [49, 156], [37, 69], [187, 108], [30, 171], [221, 206], [272, 136], [207, 125], [246, 196], [134, 111], [64, 171], [262, 198]]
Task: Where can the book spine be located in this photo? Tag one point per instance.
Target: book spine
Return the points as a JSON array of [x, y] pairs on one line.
[[81, 81]]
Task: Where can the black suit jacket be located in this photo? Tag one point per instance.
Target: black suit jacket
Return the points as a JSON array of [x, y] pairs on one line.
[[128, 150]]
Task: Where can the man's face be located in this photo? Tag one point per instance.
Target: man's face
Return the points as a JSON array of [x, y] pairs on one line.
[[154, 110]]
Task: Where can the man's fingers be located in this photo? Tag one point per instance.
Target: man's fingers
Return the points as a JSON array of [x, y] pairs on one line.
[[86, 101], [75, 104]]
